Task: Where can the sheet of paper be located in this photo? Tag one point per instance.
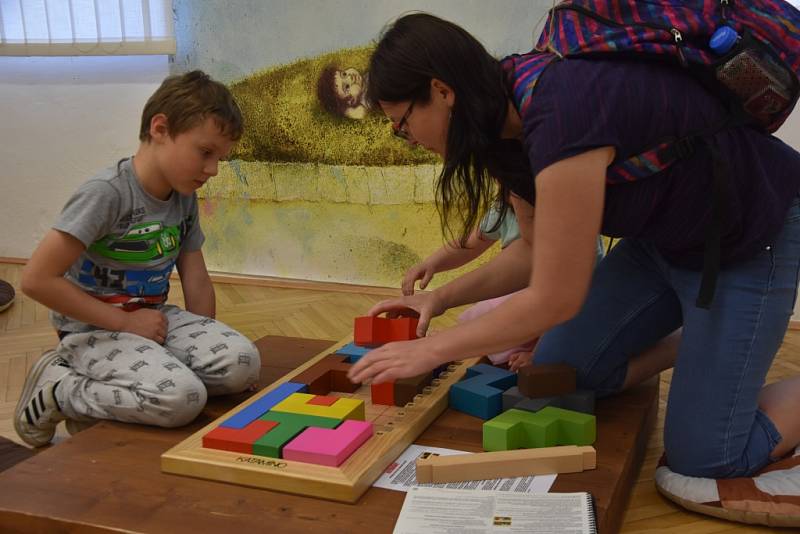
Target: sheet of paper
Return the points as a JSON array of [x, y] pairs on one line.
[[401, 475], [443, 511]]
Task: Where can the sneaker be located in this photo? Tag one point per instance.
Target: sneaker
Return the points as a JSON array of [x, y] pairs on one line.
[[37, 412], [6, 295]]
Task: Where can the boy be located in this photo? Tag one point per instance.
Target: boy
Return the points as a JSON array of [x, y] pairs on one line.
[[103, 270]]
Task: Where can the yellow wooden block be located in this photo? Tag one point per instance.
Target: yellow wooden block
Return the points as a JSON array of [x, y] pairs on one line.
[[343, 408]]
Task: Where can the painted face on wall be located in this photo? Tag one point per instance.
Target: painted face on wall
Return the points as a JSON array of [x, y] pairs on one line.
[[349, 86]]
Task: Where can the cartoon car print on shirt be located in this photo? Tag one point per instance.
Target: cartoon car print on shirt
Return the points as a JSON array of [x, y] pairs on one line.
[[132, 282], [144, 242]]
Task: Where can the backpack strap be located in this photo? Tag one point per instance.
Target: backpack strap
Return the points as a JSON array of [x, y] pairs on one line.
[[651, 161], [661, 157], [712, 252]]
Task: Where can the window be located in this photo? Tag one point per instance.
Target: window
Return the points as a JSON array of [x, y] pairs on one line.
[[85, 27]]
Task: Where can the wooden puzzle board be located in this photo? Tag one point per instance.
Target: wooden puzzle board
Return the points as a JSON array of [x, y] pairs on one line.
[[395, 428]]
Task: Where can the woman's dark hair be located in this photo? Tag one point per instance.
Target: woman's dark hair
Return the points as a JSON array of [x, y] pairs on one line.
[[410, 53]]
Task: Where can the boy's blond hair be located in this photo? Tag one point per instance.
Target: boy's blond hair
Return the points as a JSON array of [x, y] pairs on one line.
[[187, 100]]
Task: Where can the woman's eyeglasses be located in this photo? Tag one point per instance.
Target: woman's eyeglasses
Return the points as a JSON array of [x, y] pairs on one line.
[[400, 129]]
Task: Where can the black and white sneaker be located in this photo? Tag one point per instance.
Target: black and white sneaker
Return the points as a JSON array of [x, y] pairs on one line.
[[37, 412]]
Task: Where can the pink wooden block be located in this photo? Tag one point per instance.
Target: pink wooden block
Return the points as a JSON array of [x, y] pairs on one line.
[[328, 446]]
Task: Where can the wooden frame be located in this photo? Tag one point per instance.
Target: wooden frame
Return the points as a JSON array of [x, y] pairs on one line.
[[393, 434]]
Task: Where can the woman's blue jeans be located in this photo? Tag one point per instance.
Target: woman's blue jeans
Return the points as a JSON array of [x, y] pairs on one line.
[[714, 427]]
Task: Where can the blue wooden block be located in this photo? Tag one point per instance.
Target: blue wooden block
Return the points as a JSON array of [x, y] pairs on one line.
[[252, 412], [353, 352], [480, 393]]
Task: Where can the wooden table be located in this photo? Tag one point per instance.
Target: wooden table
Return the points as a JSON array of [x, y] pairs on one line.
[[108, 477]]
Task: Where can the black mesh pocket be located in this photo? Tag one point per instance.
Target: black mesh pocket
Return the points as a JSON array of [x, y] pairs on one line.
[[764, 86]]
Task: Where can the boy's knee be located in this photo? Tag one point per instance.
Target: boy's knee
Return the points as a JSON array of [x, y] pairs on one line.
[[182, 405], [242, 369]]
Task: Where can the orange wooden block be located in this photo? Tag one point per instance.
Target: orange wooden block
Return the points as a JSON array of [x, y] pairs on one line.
[[237, 439], [383, 393], [322, 400]]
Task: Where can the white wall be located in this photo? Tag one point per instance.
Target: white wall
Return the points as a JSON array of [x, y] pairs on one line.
[[273, 32], [62, 120]]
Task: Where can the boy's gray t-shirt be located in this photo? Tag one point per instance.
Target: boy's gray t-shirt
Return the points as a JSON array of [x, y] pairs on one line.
[[132, 239]]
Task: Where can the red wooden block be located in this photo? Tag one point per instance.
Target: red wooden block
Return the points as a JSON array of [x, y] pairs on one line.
[[237, 439], [383, 393], [403, 328], [370, 331], [373, 331], [322, 400]]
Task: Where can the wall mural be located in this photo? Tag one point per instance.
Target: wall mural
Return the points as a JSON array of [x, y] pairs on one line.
[[318, 188]]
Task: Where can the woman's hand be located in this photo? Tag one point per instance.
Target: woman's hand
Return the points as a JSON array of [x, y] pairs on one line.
[[426, 305], [401, 359]]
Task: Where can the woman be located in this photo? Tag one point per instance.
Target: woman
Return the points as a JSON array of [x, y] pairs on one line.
[[635, 314]]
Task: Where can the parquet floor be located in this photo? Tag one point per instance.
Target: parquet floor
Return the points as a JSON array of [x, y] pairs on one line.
[[258, 311]]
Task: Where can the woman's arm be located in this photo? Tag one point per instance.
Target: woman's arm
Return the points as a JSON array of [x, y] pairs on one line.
[[569, 198], [569, 205]]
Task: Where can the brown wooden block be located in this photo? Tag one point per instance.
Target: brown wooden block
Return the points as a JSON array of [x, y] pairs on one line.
[[406, 389], [339, 380], [329, 374], [546, 380]]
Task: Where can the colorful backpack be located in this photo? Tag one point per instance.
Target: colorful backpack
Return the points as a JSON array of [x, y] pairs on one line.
[[747, 52]]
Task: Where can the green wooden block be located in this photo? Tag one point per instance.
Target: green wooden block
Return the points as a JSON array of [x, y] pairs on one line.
[[290, 425], [520, 429]]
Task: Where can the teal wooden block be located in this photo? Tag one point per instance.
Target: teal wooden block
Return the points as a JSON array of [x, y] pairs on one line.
[[480, 393], [550, 426]]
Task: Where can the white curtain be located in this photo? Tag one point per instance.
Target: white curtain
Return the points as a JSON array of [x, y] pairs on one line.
[[85, 27]]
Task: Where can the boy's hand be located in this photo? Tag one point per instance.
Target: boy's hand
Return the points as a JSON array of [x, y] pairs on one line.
[[420, 271], [519, 359], [148, 323]]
